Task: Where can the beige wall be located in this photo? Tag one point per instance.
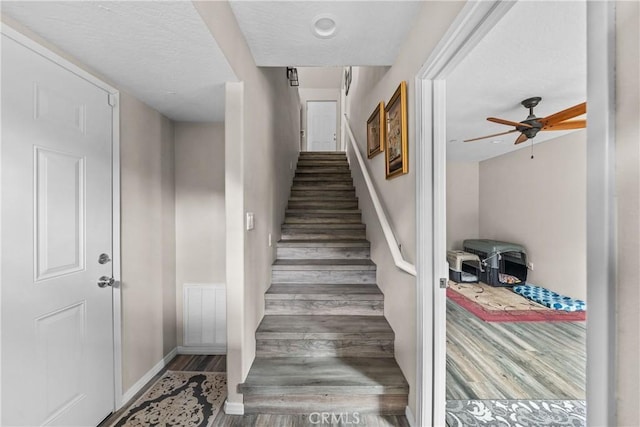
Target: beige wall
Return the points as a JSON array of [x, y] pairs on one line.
[[148, 250], [308, 94], [463, 210], [541, 204], [371, 85], [200, 210], [628, 191], [148, 229], [168, 231], [320, 77], [261, 141], [147, 238]]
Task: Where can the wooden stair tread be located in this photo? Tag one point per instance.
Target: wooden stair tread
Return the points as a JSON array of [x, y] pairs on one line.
[[315, 211], [322, 327], [326, 226], [319, 375], [311, 243], [323, 264], [327, 170], [324, 291]]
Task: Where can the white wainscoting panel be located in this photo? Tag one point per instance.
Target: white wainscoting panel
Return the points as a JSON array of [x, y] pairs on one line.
[[204, 318]]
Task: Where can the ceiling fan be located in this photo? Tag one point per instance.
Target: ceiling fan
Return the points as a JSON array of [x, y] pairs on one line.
[[530, 127]]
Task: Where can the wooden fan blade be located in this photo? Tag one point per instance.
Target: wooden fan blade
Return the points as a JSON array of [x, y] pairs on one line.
[[507, 122], [561, 116], [571, 124], [490, 136], [522, 138]]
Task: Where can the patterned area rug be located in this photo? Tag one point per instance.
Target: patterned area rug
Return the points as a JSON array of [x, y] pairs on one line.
[[501, 304], [512, 413], [186, 399]]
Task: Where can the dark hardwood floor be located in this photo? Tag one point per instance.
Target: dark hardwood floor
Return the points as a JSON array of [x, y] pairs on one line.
[[516, 360]]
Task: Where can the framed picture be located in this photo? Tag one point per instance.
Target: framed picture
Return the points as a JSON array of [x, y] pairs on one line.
[[375, 131], [396, 144], [347, 80]]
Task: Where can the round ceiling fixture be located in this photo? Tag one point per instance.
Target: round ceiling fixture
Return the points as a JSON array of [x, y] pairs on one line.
[[324, 26]]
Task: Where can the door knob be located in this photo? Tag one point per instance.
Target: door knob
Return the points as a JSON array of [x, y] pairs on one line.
[[105, 281]]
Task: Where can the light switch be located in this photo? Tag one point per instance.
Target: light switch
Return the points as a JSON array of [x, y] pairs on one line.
[[250, 221]]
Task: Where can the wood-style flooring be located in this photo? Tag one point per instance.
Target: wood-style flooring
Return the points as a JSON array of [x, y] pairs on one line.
[[218, 364], [534, 360], [523, 360]]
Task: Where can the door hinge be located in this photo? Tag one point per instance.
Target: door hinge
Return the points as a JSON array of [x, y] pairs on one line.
[[444, 283], [112, 99]]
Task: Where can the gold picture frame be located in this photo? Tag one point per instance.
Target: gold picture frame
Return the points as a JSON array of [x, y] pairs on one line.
[[375, 131], [396, 144]]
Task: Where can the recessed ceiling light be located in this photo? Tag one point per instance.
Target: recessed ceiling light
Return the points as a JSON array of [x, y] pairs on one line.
[[324, 26], [496, 141]]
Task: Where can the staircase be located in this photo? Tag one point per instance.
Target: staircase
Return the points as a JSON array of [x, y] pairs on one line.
[[324, 344]]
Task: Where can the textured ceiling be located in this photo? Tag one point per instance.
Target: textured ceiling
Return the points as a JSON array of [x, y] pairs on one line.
[[537, 49], [159, 51], [279, 33]]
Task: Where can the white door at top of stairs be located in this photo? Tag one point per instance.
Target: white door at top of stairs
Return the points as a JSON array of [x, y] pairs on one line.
[[57, 323], [321, 125]]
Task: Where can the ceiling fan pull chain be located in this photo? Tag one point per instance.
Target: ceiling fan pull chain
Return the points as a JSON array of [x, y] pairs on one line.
[[531, 148]]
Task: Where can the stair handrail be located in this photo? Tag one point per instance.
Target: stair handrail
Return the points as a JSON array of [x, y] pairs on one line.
[[398, 259]]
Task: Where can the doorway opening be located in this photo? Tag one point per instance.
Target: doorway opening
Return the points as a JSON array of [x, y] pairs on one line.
[[432, 85], [516, 218]]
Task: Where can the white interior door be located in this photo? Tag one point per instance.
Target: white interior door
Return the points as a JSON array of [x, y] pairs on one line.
[[57, 324], [321, 125]]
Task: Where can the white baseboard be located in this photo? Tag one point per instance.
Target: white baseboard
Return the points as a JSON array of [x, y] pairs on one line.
[[233, 408], [134, 389], [410, 418], [214, 349]]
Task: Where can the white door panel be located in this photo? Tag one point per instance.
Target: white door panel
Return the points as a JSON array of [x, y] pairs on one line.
[[321, 125], [57, 342]]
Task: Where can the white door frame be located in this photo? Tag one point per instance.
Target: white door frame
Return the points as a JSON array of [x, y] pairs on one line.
[[471, 25], [114, 99]]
